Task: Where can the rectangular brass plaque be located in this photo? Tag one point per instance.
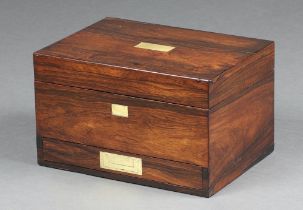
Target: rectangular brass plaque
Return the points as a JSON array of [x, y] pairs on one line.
[[156, 47], [121, 163], [119, 110]]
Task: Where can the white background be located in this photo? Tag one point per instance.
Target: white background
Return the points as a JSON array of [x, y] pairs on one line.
[[28, 25]]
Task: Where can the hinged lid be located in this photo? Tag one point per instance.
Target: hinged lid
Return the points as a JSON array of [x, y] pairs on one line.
[[143, 60]]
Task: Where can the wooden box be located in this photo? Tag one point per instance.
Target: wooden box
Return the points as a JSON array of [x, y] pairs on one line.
[[167, 107]]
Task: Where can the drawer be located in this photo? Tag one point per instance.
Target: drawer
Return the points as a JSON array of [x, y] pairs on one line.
[[154, 129], [153, 169]]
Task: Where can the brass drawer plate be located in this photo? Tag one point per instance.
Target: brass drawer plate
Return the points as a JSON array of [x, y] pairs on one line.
[[121, 163]]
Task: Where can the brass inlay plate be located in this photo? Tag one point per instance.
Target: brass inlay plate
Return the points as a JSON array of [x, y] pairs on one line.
[[156, 47], [121, 163], [119, 110]]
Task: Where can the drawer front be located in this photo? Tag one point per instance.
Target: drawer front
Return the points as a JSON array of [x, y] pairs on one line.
[[153, 169], [150, 128]]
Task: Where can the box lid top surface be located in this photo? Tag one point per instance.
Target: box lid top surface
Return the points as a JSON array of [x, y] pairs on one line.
[[196, 55]]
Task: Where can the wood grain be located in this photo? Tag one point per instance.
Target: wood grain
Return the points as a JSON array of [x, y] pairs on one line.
[[154, 129], [103, 57], [177, 36], [163, 171], [236, 81], [240, 133], [198, 55], [160, 87]]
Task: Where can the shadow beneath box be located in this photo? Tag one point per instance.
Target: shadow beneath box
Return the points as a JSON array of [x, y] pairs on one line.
[[18, 137]]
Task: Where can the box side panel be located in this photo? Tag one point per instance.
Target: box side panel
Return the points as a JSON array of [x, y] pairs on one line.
[[242, 124], [136, 83], [236, 81]]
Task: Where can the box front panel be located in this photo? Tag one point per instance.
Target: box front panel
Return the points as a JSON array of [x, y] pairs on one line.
[[121, 123]]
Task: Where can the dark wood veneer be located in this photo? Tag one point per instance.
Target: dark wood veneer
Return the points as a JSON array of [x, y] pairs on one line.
[[160, 87], [240, 132]]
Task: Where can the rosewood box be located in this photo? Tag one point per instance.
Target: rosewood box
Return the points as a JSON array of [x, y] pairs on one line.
[[178, 109]]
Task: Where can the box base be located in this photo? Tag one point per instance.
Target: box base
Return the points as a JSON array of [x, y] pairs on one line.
[[134, 180], [124, 178]]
